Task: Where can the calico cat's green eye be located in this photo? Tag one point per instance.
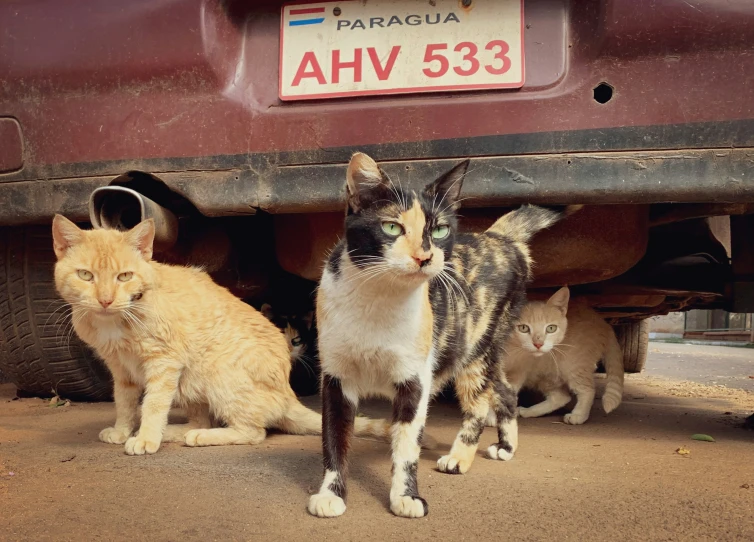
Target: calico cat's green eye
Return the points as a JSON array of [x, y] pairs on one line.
[[296, 341], [392, 228], [523, 328], [125, 277], [552, 328], [85, 275], [441, 231]]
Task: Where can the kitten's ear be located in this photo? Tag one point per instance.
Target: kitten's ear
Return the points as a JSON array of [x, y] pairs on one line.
[[559, 299], [141, 237], [308, 319], [447, 188], [365, 182], [266, 311], [65, 234]]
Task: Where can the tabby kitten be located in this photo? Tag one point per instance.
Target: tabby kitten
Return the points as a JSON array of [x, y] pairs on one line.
[[555, 350], [171, 333], [404, 306], [301, 335]]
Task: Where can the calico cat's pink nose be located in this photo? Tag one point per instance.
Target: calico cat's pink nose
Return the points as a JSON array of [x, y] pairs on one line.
[[423, 260], [105, 302]]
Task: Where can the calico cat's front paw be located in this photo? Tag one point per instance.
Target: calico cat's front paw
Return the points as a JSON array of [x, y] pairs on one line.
[[409, 507], [453, 465], [111, 435], [139, 446], [326, 505], [496, 451]]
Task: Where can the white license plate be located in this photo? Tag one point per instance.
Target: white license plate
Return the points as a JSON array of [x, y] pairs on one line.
[[364, 47]]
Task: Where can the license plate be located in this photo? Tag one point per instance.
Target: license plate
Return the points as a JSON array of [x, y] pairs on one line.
[[368, 47]]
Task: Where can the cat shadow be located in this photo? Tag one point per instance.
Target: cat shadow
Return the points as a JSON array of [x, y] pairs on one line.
[[303, 468]]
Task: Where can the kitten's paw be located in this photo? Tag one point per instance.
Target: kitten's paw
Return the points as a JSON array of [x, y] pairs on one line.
[[409, 507], [139, 446], [453, 465], [111, 435], [526, 412], [326, 505], [491, 420], [575, 419], [498, 452]]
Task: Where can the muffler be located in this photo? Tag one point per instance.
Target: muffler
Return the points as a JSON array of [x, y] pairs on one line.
[[120, 208]]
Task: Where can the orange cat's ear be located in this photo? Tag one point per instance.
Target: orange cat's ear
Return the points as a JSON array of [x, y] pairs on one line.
[[65, 234], [560, 299], [141, 237]]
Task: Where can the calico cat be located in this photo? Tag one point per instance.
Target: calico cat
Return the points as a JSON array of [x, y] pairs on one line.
[[171, 333], [301, 335], [555, 349], [406, 305]]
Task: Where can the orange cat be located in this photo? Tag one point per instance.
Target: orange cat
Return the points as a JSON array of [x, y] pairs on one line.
[[172, 334]]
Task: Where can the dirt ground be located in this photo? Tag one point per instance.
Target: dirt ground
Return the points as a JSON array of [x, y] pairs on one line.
[[616, 478]]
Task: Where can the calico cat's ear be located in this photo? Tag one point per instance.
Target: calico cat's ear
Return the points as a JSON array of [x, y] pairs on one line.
[[447, 188], [559, 299], [65, 234], [141, 237], [365, 183]]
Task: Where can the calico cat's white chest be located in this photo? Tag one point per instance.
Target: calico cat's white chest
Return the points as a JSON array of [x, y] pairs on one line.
[[367, 338]]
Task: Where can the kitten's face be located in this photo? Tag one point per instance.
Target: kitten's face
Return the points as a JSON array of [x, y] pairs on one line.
[[393, 232], [103, 272], [297, 329], [543, 326], [295, 341]]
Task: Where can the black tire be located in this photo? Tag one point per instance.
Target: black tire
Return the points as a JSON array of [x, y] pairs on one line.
[[36, 353], [634, 341]]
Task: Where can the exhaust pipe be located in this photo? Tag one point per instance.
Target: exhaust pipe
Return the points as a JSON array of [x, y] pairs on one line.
[[120, 208]]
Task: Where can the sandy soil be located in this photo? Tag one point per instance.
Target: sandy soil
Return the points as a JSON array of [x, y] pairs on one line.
[[616, 478]]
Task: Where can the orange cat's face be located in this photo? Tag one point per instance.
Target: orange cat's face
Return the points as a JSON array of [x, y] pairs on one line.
[[103, 272], [542, 326]]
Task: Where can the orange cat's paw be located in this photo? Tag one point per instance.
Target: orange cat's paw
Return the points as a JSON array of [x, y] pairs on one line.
[[111, 435], [140, 446]]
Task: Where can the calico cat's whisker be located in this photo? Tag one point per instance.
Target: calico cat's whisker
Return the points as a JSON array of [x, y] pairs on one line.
[[456, 202]]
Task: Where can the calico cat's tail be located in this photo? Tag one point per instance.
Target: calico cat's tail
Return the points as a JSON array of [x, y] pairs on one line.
[[524, 222], [614, 369], [300, 420]]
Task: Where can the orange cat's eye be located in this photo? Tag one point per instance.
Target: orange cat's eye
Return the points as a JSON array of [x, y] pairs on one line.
[[85, 275], [125, 277]]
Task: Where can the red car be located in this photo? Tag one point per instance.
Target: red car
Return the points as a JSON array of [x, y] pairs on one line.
[[232, 121]]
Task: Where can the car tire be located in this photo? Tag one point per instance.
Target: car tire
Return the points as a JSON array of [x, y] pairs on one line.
[[39, 352], [633, 339]]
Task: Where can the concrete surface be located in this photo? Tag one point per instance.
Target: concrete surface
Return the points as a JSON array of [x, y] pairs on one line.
[[616, 478], [713, 365]]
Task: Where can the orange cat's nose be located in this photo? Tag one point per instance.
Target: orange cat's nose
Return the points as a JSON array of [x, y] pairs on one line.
[[538, 345], [105, 302]]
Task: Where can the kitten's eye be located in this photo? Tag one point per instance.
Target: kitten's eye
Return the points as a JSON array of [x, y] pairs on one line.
[[523, 328], [392, 228], [125, 277], [440, 232], [296, 341], [85, 275], [552, 328]]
